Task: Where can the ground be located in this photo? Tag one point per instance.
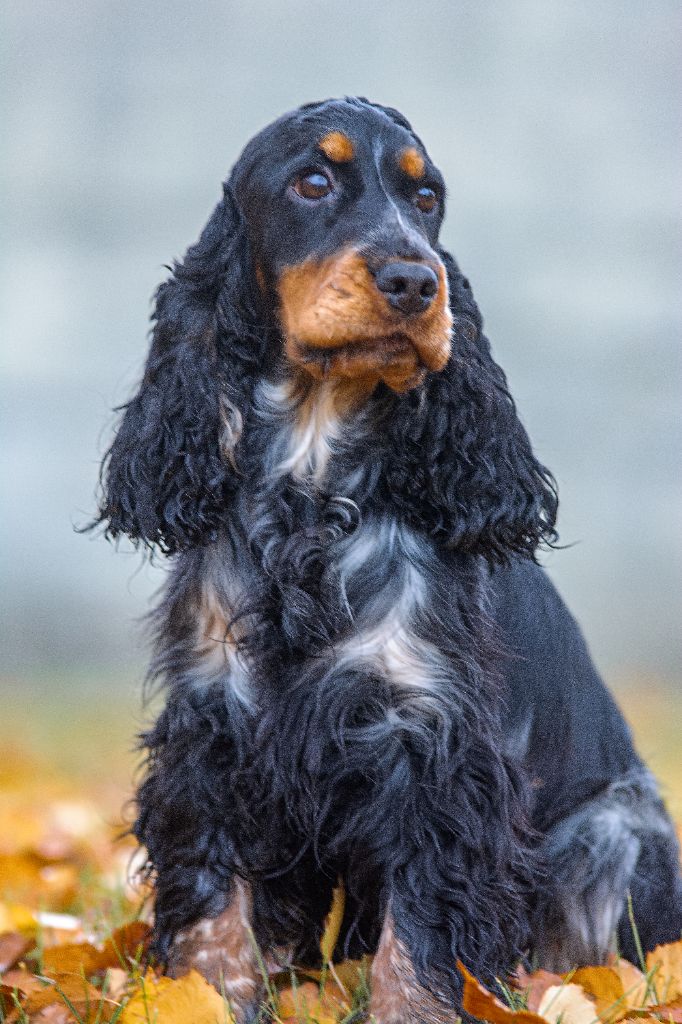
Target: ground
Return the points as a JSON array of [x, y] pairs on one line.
[[74, 924]]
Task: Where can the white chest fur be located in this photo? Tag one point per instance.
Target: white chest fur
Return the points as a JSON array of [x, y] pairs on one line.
[[384, 563]]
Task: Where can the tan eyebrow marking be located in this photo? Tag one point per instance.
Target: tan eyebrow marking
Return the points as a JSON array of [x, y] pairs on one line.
[[412, 162], [337, 147]]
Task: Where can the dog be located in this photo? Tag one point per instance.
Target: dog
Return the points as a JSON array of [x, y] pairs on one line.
[[369, 678]]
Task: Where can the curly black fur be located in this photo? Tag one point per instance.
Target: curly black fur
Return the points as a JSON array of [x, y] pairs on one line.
[[291, 763]]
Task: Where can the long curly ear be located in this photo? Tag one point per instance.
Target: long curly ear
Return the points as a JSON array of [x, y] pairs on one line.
[[172, 466], [459, 461]]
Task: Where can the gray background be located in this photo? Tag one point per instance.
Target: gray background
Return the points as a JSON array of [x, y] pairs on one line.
[[558, 129]]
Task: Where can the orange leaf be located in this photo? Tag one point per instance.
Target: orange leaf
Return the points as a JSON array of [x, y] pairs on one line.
[[83, 957], [171, 1001], [667, 963], [480, 1003], [88, 1003], [73, 958], [126, 943], [306, 1003]]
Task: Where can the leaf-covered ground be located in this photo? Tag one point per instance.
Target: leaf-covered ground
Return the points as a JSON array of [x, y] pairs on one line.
[[74, 927]]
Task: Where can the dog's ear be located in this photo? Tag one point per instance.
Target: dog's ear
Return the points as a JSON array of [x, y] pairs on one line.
[[459, 460], [174, 462]]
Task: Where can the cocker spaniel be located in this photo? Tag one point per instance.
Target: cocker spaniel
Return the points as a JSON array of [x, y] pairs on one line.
[[369, 679]]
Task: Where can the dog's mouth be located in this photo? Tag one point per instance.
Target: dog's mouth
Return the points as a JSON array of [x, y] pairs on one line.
[[390, 357], [383, 349]]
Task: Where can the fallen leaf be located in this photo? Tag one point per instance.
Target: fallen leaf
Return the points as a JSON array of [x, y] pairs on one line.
[[116, 983], [84, 958], [175, 1001], [16, 917], [535, 985], [72, 989], [332, 924], [74, 958], [669, 1011], [28, 878], [606, 986], [23, 981], [13, 946], [54, 1014], [127, 943], [480, 1003], [666, 962], [306, 1003], [567, 1003], [636, 989]]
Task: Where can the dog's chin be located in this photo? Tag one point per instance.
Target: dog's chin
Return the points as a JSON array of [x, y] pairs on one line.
[[391, 358]]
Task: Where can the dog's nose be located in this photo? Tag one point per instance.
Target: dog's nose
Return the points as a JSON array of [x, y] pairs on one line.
[[409, 287]]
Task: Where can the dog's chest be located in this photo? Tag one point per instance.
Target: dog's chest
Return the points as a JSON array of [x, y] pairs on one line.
[[382, 572]]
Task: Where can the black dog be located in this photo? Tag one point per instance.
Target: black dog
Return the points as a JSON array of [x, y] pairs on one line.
[[368, 677]]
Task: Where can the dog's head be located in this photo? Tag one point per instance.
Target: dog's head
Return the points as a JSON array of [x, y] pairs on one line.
[[322, 260], [342, 207]]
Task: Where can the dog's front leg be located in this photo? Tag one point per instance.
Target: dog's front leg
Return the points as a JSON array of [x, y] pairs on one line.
[[222, 949], [397, 994], [186, 810], [460, 873]]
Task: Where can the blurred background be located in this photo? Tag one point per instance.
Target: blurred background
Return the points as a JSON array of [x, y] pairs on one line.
[[558, 129]]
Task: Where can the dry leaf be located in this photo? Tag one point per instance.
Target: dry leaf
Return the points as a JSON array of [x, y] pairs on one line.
[[73, 958], [567, 1003], [23, 981], [669, 1011], [332, 924], [666, 961], [54, 1015], [480, 1003], [169, 1001], [305, 1003], [88, 1003], [127, 943], [606, 986], [84, 958], [16, 917], [13, 946], [534, 985], [116, 983], [636, 989]]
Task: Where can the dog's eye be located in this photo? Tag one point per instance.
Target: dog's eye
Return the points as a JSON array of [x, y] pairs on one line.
[[314, 185], [425, 199]]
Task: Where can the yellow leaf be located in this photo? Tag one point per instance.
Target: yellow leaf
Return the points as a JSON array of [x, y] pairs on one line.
[[606, 986], [332, 924], [186, 1000], [16, 917], [666, 961], [567, 1003]]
